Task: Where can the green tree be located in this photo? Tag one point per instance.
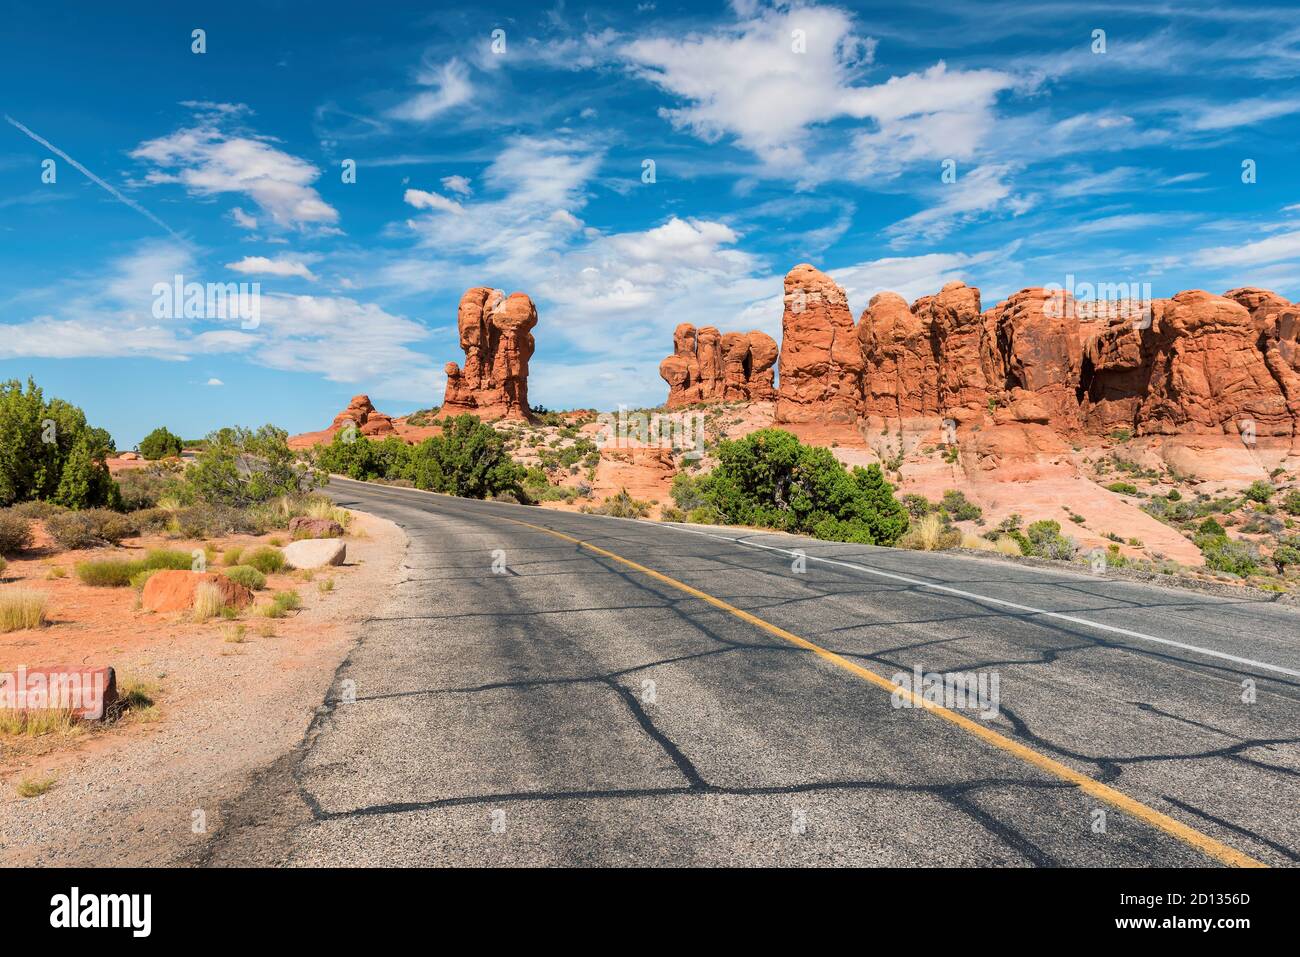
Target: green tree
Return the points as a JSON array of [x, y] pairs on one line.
[[770, 479], [1285, 556], [38, 440], [159, 444], [242, 467], [468, 459]]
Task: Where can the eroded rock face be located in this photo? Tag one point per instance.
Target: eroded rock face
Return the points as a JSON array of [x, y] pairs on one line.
[[1037, 354], [821, 361], [707, 366], [496, 336], [900, 371], [963, 347], [363, 415]]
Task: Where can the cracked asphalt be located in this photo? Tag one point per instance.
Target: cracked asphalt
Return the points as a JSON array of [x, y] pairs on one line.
[[565, 709]]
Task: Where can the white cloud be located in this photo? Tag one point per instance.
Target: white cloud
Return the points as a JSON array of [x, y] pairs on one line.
[[1273, 249], [457, 184], [215, 382], [207, 161], [423, 200], [747, 80], [242, 219], [261, 266], [982, 190], [451, 87]]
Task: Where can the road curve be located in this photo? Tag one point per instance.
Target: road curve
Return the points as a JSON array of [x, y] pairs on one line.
[[550, 688]]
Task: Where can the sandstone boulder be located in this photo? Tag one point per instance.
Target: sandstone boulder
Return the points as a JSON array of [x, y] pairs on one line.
[[315, 552], [304, 526], [900, 369], [173, 590], [495, 334]]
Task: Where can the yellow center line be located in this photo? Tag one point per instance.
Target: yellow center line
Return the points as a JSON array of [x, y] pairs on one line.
[[1189, 835]]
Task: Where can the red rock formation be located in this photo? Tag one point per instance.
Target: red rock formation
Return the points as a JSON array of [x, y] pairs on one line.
[[821, 362], [900, 371], [1037, 353], [495, 335], [963, 344], [362, 414], [708, 367]]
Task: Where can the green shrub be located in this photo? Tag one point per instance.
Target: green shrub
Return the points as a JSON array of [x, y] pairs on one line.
[[149, 487], [918, 506], [152, 520], [1259, 491], [141, 578], [89, 528], [704, 515], [1123, 488], [671, 513], [246, 575], [110, 573], [962, 509], [265, 559], [159, 444], [1210, 528], [1291, 503], [168, 558], [241, 467], [620, 505], [1046, 541], [1225, 555], [1283, 557], [281, 603], [769, 479], [231, 555], [15, 532]]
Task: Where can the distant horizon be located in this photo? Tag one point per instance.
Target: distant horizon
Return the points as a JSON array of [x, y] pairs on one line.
[[629, 167]]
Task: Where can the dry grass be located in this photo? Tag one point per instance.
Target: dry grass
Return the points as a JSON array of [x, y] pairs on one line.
[[21, 608], [926, 534], [34, 724], [325, 586], [1007, 545], [208, 601], [324, 508], [34, 787], [236, 634], [978, 542], [137, 698]]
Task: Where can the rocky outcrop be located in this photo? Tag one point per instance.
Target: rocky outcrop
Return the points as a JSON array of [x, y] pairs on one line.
[[1036, 355], [900, 369], [707, 366], [364, 417], [496, 336], [963, 347], [821, 361]]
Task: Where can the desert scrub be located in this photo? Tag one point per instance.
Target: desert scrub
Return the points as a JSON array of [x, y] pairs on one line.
[[929, 535], [15, 532], [118, 573], [208, 602], [325, 586], [265, 559], [1123, 488], [281, 603], [34, 724], [1007, 545], [232, 555], [56, 571], [236, 634], [34, 787], [21, 608], [324, 508], [89, 528], [141, 578], [136, 698], [621, 505], [248, 576]]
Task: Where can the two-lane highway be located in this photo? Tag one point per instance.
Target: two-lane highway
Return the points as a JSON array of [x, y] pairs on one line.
[[556, 688]]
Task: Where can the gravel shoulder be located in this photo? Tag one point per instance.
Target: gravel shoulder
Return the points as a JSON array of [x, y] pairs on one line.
[[151, 794]]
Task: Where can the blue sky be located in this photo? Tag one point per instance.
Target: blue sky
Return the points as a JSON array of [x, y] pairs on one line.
[[779, 134]]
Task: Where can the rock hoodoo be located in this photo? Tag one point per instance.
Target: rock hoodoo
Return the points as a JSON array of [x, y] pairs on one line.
[[707, 366], [821, 362], [496, 336]]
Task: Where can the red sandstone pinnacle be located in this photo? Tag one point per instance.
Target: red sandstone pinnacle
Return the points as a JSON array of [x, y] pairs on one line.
[[821, 361], [363, 415], [707, 366], [495, 334]]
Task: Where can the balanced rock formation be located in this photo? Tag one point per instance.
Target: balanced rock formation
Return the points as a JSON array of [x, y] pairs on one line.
[[495, 334], [821, 361], [707, 366], [364, 417]]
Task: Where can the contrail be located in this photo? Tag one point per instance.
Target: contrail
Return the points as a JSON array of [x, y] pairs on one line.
[[95, 179]]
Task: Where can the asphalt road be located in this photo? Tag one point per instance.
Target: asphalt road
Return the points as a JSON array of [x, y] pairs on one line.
[[566, 708]]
